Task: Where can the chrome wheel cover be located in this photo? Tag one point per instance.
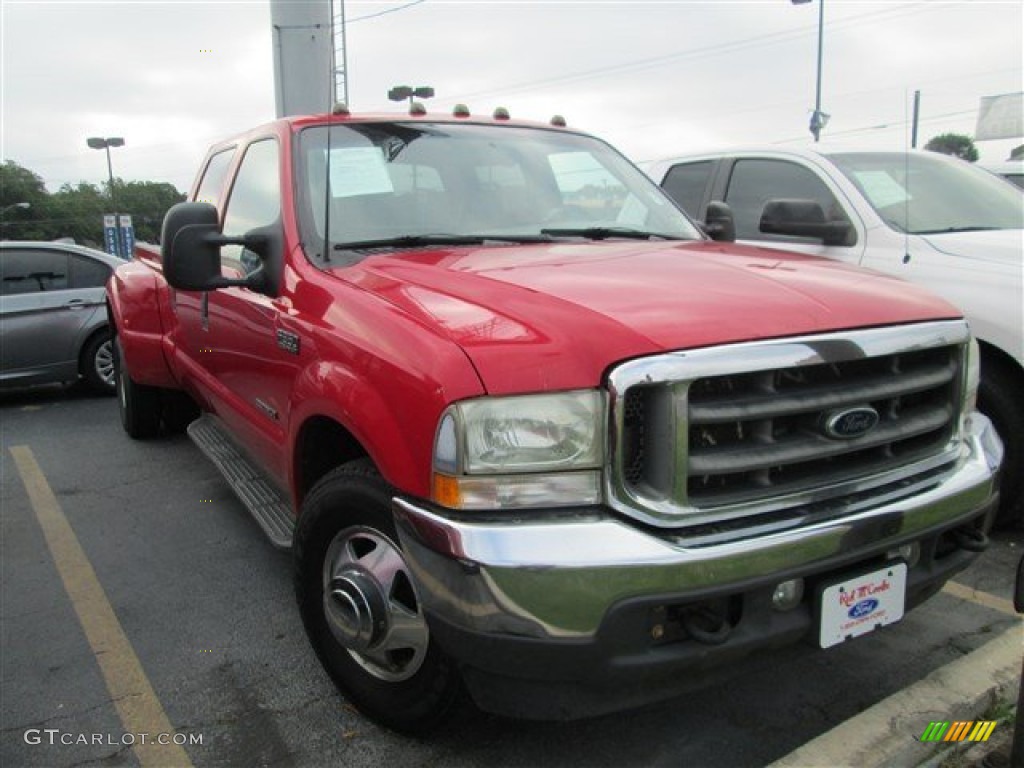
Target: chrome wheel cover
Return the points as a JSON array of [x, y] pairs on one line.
[[371, 605], [103, 363]]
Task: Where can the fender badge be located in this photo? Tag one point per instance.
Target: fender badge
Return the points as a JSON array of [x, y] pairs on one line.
[[850, 423]]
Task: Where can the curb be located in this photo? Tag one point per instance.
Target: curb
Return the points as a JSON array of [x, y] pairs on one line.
[[886, 734]]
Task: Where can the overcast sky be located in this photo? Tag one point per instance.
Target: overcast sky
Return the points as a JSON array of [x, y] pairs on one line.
[[654, 78]]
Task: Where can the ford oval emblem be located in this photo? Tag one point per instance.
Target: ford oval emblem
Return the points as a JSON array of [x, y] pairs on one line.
[[850, 422], [863, 608]]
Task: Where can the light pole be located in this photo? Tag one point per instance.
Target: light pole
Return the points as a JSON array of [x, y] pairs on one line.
[[403, 92], [98, 143], [13, 206], [819, 119]]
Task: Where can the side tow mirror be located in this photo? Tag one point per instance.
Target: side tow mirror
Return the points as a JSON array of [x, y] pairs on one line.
[[803, 218], [719, 223], [190, 248]]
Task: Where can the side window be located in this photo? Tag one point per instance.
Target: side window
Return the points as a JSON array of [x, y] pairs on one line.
[[754, 182], [255, 202], [685, 183], [212, 185], [33, 271], [88, 273]]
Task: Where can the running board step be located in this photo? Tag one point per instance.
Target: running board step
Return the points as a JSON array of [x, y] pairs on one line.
[[259, 496]]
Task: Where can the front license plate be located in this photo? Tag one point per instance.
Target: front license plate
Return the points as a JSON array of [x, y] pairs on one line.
[[860, 604]]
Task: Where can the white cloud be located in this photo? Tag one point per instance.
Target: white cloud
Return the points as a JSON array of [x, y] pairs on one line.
[[654, 78]]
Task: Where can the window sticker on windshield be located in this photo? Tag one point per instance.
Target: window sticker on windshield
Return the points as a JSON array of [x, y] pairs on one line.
[[881, 188], [359, 171]]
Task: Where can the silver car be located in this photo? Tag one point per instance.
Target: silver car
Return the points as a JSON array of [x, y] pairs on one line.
[[53, 317]]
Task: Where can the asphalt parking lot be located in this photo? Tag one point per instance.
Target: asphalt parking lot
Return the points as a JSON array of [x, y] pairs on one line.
[[203, 641]]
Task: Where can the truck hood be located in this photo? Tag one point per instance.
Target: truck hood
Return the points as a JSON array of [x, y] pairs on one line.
[[556, 316], [997, 245]]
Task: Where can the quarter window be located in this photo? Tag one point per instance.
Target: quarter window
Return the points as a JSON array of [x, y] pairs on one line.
[[88, 273]]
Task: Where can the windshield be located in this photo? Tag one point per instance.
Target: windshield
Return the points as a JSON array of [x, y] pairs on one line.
[[928, 194], [405, 184]]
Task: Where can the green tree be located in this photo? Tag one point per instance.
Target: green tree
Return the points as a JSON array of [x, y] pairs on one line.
[[146, 202], [76, 211], [20, 185], [956, 144]]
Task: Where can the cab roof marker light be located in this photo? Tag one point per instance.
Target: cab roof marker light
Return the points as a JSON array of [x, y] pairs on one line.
[[460, 110], [417, 108], [558, 121], [501, 114], [340, 108]]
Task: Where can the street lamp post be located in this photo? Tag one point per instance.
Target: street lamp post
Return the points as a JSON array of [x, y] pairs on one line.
[[819, 119], [99, 143], [403, 92], [14, 206]]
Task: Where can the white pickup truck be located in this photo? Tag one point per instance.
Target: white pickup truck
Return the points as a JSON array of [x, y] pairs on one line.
[[928, 218]]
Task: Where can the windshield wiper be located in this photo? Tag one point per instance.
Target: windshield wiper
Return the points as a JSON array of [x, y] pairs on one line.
[[414, 241], [603, 233], [410, 241], [950, 230]]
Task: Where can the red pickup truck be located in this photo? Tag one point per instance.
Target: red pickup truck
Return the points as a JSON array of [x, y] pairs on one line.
[[529, 433]]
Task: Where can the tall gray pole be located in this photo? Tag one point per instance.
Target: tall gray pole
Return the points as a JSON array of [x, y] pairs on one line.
[[113, 204], [303, 57], [816, 124]]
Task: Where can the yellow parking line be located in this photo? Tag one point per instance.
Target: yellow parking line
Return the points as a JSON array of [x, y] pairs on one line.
[[982, 598], [130, 689]]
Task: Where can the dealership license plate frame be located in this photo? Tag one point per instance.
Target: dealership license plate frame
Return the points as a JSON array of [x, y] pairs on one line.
[[837, 620]]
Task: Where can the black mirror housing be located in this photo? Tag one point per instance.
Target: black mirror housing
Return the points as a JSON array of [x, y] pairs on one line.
[[719, 223], [803, 218], [190, 258], [190, 249]]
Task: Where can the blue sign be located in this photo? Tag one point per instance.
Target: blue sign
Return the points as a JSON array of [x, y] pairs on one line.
[[110, 234], [127, 232]]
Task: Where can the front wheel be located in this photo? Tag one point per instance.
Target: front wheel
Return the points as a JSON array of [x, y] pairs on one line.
[[361, 608], [999, 399], [138, 404]]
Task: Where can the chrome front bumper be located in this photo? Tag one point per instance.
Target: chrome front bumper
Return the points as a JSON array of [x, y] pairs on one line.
[[555, 578]]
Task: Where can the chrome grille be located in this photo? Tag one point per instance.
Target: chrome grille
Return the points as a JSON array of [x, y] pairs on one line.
[[732, 431]]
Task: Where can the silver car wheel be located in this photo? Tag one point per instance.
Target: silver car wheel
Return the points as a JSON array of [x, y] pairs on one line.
[[371, 605], [103, 363]]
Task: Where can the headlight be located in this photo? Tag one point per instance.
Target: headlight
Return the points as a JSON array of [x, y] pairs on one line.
[[526, 451]]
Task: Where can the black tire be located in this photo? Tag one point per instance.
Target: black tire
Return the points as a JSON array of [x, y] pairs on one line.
[[138, 404], [179, 410], [96, 363], [999, 399], [347, 510]]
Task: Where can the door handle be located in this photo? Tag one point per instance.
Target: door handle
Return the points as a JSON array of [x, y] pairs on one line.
[[75, 304]]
